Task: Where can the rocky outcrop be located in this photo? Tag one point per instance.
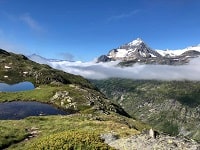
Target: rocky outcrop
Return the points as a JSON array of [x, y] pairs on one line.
[[65, 100], [103, 58], [146, 142], [191, 54], [90, 100]]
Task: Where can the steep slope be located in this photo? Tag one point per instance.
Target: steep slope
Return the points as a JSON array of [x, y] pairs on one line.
[[172, 107], [16, 68]]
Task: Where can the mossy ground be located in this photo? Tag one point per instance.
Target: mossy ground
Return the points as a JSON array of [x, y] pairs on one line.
[[85, 128]]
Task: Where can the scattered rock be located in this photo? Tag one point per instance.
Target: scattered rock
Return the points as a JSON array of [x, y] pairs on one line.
[[109, 137], [33, 132], [60, 95], [146, 142], [153, 134]]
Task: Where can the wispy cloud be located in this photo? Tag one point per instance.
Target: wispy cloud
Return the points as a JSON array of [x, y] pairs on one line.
[[25, 18], [32, 23], [125, 15]]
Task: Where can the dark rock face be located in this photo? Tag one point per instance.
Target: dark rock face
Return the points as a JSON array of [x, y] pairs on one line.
[[4, 52], [190, 53], [103, 58]]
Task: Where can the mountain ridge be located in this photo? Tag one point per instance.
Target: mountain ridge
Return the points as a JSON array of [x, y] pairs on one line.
[[137, 51]]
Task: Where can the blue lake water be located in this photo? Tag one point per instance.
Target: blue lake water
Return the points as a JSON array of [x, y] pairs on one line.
[[22, 86], [18, 110]]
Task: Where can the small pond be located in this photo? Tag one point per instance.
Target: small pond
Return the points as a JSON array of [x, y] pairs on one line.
[[22, 86], [18, 110]]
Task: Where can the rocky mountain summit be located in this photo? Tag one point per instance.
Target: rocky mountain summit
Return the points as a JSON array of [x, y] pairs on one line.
[[139, 52]]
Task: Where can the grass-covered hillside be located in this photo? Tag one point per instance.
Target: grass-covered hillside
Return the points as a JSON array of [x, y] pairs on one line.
[[17, 68], [93, 114], [169, 106]]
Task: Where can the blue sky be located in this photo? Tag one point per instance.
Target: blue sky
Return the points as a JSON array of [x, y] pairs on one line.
[[85, 29]]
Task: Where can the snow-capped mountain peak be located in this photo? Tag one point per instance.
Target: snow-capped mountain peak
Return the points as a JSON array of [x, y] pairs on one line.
[[135, 42], [136, 49]]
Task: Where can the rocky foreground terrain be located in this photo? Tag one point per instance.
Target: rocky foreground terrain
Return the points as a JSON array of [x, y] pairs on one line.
[[148, 142]]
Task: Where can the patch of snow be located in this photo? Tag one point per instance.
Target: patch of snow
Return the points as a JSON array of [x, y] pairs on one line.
[[152, 55], [121, 53], [135, 42], [5, 76], [7, 67], [142, 54], [178, 51], [170, 52]]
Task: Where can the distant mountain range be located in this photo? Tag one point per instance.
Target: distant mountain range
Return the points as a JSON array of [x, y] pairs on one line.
[[129, 61], [139, 52]]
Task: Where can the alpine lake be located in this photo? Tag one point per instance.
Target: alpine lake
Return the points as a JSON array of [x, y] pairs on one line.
[[16, 110]]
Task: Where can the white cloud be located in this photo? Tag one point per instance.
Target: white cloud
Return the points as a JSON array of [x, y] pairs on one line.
[[92, 70], [26, 18], [33, 24]]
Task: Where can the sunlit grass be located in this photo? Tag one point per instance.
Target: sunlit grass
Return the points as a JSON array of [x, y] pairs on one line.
[[87, 126]]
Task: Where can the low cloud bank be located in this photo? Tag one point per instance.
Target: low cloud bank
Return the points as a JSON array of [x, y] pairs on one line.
[[92, 70]]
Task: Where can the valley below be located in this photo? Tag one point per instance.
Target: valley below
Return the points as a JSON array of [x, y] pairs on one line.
[[172, 107]]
